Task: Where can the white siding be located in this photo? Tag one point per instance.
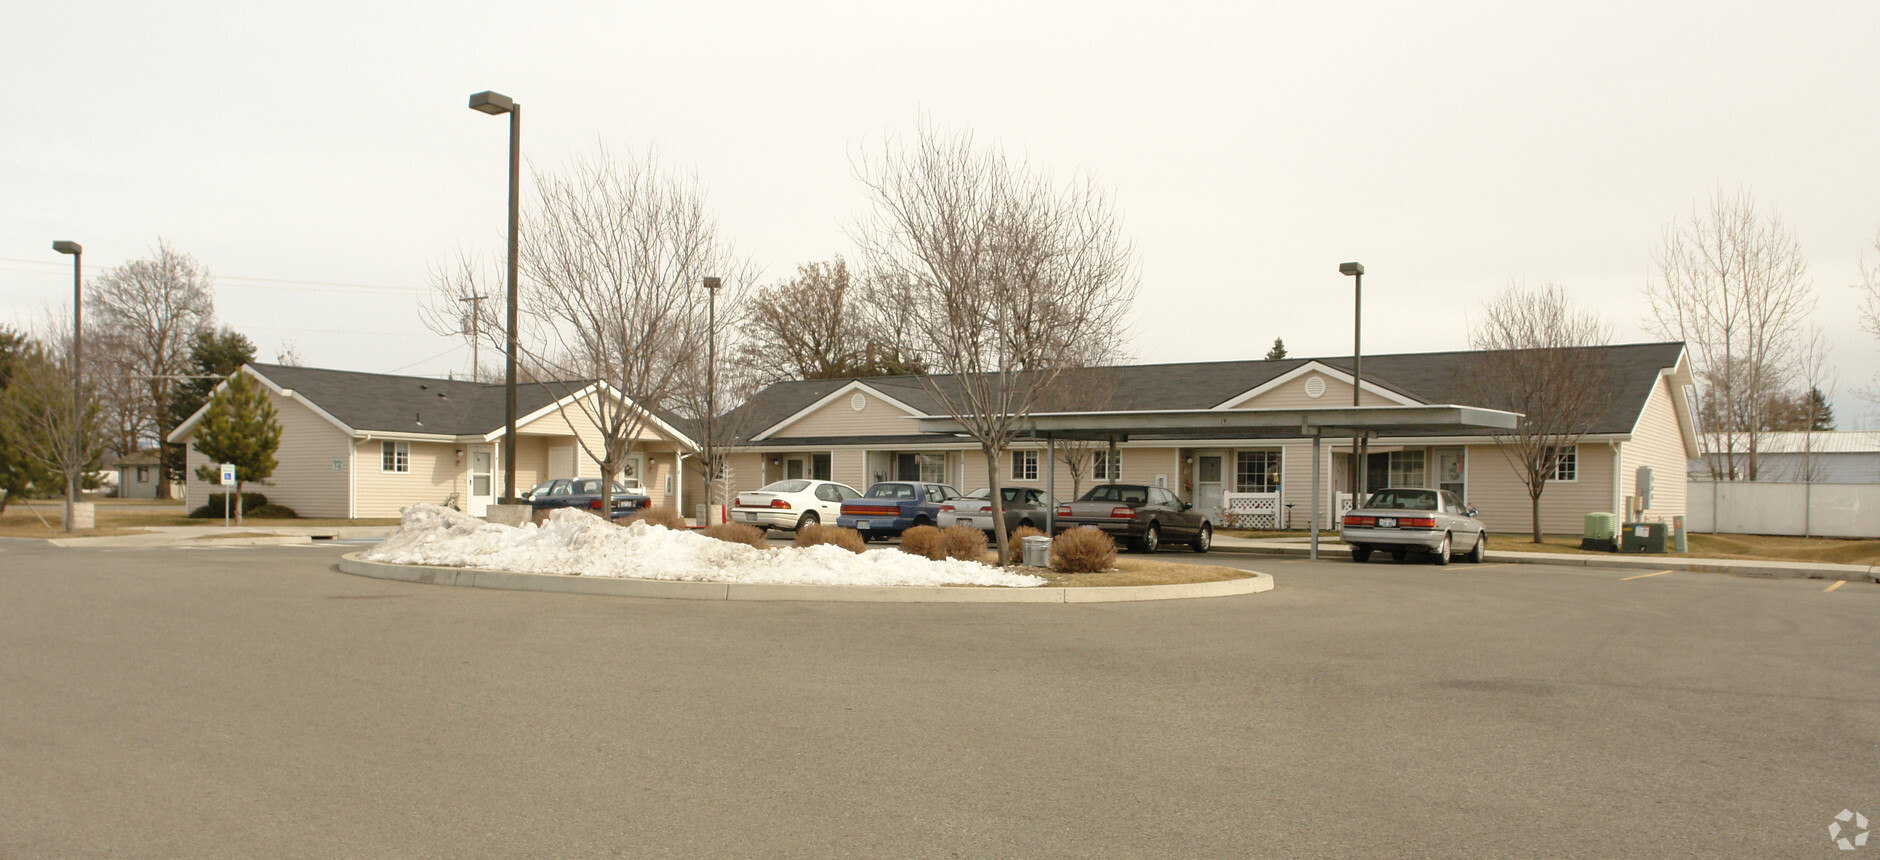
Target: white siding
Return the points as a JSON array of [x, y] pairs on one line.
[[839, 418], [304, 478]]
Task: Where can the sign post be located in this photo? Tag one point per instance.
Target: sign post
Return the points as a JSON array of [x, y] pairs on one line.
[[228, 480]]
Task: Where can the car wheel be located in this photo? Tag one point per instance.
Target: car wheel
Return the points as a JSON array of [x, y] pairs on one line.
[[922, 520], [1440, 555], [1204, 539], [1360, 554], [809, 519], [1477, 555], [1399, 554], [1151, 539]]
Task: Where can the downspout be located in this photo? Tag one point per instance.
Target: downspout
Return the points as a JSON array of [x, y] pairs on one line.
[[1618, 480], [352, 478]]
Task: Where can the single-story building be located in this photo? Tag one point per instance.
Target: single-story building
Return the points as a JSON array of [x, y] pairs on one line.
[[859, 431], [364, 445], [139, 474], [1795, 456]]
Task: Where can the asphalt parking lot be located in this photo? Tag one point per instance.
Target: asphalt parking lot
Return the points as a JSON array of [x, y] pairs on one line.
[[254, 702]]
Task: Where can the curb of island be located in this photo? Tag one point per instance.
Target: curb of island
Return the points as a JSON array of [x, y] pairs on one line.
[[674, 590]]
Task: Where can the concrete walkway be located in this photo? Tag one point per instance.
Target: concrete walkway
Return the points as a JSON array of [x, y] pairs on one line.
[[1331, 548], [218, 535]]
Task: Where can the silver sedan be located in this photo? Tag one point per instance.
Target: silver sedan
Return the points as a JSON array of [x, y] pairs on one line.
[[1402, 519]]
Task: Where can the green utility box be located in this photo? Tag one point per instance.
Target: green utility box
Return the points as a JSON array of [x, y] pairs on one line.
[[1643, 537], [1600, 532]]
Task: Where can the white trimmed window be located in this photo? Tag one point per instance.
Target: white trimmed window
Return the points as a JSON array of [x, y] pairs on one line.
[[394, 456], [1024, 465], [1406, 468], [1566, 463], [1102, 469]]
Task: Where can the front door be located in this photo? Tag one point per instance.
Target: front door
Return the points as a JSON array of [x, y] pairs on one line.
[[793, 468], [1210, 473], [482, 487]]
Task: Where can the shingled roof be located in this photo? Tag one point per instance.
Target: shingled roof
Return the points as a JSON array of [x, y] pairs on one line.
[[1436, 378], [387, 403]]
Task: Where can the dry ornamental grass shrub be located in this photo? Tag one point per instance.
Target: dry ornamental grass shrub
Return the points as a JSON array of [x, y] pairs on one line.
[[658, 517], [738, 533], [924, 541], [964, 542], [1083, 550], [1021, 533], [817, 535]]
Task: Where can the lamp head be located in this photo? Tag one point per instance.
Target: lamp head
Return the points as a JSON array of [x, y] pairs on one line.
[[1351, 268], [67, 247], [713, 284], [492, 103]]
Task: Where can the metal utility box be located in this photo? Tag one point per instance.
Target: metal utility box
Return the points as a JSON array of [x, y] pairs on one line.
[[1035, 551], [1599, 533], [1643, 537]]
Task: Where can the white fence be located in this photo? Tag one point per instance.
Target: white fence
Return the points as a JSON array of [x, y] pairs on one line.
[[1763, 508], [1250, 511]]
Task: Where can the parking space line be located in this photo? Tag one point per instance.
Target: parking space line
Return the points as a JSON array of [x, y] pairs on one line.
[[1643, 575], [1837, 584]]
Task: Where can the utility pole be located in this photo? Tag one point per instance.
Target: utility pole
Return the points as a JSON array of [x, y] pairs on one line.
[[474, 328], [711, 397]]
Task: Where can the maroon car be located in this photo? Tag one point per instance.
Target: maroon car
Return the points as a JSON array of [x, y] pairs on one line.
[[1145, 517]]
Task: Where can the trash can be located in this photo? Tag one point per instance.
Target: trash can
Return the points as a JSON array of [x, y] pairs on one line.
[[1036, 551]]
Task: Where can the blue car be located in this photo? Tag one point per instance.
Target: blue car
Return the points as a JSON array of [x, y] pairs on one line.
[[892, 507]]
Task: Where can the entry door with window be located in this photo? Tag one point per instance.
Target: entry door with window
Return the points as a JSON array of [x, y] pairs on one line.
[[482, 486], [793, 468], [1209, 484]]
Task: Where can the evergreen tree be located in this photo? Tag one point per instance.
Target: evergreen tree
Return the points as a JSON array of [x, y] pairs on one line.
[[1819, 413], [239, 428], [1278, 351], [213, 356], [18, 471]]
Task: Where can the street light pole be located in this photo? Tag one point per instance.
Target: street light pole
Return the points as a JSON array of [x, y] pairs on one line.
[[711, 395], [494, 103], [78, 363], [1356, 271]]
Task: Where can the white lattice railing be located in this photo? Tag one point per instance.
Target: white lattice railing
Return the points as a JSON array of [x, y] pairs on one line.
[[1250, 511]]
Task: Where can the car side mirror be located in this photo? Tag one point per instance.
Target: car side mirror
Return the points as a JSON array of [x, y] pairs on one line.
[[1471, 511], [1187, 505]]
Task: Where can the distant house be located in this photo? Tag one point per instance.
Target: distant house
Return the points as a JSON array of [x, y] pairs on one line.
[[859, 431], [139, 474], [364, 445], [1821, 457]]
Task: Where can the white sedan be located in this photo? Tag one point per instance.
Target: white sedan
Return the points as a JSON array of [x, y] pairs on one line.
[[792, 504]]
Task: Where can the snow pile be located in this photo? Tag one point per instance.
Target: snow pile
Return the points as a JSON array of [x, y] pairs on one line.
[[576, 543]]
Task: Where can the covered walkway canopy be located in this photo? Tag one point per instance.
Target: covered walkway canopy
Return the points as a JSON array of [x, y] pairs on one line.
[[1314, 424]]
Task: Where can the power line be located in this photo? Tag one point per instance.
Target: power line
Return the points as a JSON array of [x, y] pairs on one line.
[[243, 280]]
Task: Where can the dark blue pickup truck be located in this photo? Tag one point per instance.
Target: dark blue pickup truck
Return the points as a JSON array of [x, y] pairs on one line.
[[585, 493], [892, 507]]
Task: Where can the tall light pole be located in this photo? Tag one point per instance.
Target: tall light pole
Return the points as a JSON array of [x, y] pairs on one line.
[[494, 103], [1356, 271], [77, 251], [711, 394]]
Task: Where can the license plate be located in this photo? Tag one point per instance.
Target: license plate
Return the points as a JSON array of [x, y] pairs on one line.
[[966, 521], [1386, 522], [750, 518], [861, 525]]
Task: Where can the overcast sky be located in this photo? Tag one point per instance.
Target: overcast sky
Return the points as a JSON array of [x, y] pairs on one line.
[[320, 158]]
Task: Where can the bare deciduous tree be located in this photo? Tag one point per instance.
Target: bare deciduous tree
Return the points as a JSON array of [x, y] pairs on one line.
[[1733, 285], [613, 253], [1537, 355], [1004, 280], [1869, 288], [147, 313], [45, 423], [1085, 389]]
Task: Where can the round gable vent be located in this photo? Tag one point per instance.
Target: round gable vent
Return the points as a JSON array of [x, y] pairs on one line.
[[1315, 387], [858, 402]]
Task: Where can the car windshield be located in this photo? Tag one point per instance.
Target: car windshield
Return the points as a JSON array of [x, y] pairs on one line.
[[981, 493], [1118, 493], [890, 491], [1403, 500], [541, 488], [785, 487]]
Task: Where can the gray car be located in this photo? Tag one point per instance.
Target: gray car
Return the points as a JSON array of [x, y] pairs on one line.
[[1402, 519]]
